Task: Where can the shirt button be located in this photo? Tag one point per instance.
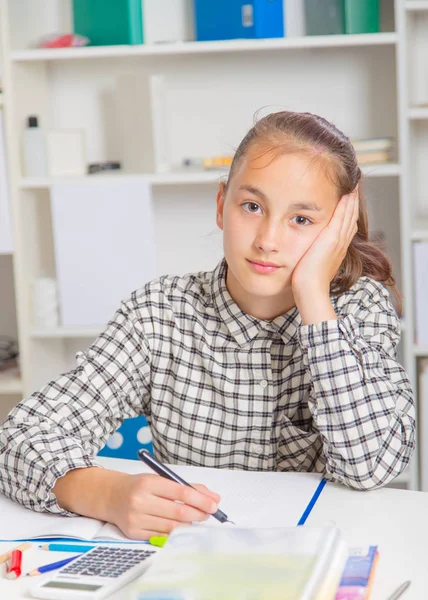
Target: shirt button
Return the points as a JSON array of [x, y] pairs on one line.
[[263, 383]]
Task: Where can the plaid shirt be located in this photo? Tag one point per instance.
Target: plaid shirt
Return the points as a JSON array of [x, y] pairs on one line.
[[223, 389]]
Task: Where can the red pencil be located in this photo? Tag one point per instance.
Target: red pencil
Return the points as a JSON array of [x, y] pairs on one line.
[[14, 570]]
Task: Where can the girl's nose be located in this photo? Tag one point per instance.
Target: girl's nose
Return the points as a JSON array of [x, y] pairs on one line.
[[268, 238]]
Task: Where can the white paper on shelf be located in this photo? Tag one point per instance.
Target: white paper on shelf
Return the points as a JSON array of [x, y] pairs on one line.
[[142, 134], [420, 264], [178, 27], [294, 18], [6, 245], [104, 246], [423, 423]]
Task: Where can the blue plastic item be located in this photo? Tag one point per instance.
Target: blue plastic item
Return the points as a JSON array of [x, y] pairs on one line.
[[234, 19], [131, 436]]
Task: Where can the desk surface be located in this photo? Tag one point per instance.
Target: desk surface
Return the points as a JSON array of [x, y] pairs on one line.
[[395, 520]]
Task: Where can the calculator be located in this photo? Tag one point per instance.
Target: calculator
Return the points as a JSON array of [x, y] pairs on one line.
[[95, 574]]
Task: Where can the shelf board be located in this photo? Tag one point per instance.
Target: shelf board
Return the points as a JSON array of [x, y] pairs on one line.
[[310, 41], [10, 385], [402, 479], [421, 351], [381, 170], [420, 235], [180, 177], [416, 5], [418, 112], [66, 332]]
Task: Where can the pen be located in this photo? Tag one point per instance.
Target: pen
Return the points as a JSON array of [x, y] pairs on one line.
[[14, 570], [164, 471], [395, 595], [66, 548], [51, 566]]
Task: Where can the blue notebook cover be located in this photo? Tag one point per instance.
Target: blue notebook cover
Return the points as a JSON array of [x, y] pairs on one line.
[[312, 502]]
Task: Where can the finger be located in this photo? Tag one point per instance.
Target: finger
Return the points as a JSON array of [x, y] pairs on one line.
[[159, 525], [355, 213], [175, 511], [338, 216], [348, 223], [153, 526], [208, 492], [170, 490]]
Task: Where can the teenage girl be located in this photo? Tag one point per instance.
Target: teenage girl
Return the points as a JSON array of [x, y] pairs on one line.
[[281, 358]]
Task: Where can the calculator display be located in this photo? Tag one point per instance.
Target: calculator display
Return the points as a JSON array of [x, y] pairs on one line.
[[65, 585]]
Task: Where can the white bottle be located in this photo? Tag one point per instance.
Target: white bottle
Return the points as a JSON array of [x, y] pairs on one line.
[[34, 150]]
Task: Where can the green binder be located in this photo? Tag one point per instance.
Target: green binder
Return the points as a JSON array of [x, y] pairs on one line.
[[109, 22], [361, 16]]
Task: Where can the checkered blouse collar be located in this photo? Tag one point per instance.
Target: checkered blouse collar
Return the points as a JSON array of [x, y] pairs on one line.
[[242, 326]]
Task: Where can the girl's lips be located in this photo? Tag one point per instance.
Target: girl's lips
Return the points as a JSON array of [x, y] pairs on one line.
[[263, 269]]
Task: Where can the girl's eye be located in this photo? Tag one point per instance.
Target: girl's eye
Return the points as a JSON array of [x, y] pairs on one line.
[[251, 207], [301, 221]]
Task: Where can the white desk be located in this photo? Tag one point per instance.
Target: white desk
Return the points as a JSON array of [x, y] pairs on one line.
[[395, 520]]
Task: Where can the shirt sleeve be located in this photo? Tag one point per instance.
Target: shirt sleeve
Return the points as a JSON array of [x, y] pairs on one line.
[[361, 399], [62, 426]]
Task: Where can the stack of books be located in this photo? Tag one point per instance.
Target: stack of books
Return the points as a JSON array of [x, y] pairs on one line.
[[374, 150], [220, 563]]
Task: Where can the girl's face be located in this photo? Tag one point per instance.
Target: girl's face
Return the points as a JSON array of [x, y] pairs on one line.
[[271, 214]]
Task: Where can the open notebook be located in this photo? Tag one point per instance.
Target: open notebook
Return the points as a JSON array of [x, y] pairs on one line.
[[249, 498]]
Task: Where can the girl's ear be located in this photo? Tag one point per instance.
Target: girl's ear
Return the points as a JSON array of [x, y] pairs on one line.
[[221, 196]]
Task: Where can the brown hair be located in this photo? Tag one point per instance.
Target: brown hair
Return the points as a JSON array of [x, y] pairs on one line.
[[289, 132]]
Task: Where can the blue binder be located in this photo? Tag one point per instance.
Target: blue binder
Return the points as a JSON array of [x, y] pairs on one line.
[[235, 19]]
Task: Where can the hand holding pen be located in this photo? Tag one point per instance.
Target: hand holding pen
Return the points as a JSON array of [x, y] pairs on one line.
[[146, 505], [164, 471]]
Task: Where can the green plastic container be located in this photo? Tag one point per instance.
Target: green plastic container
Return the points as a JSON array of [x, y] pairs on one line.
[[361, 16], [109, 22]]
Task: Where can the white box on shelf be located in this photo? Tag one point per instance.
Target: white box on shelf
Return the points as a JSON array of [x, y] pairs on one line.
[[294, 18], [6, 246], [104, 246], [167, 21], [141, 108], [422, 420], [66, 152], [420, 269]]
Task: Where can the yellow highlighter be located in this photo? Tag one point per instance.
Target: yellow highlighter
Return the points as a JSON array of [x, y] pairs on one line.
[[158, 540]]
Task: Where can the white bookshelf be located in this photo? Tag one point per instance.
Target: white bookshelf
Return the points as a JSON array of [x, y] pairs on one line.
[[213, 89]]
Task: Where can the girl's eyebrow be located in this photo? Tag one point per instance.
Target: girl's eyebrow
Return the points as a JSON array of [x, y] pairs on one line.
[[295, 206], [305, 206]]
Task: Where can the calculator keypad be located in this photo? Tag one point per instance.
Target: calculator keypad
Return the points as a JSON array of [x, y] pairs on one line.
[[107, 562]]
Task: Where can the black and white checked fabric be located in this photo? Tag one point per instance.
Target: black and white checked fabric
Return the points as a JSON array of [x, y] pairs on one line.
[[223, 389]]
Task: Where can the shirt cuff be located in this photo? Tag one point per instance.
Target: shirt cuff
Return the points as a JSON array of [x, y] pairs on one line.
[[328, 331], [59, 469]]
